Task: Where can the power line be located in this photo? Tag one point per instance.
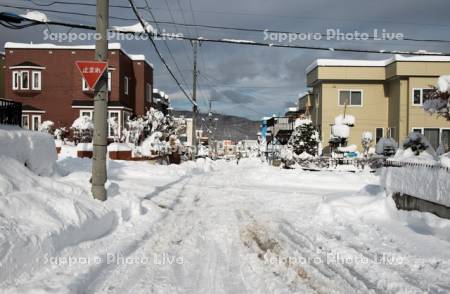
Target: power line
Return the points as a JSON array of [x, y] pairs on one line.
[[195, 25], [166, 45], [142, 22], [252, 43]]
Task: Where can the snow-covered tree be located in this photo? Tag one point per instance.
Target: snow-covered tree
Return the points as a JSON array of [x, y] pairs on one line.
[[438, 101], [61, 133], [340, 131], [82, 130], [304, 138]]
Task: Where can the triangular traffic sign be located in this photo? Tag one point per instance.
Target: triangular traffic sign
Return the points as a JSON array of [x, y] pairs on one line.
[[91, 71]]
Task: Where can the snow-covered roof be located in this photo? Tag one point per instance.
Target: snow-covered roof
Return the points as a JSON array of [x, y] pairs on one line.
[[375, 63], [49, 46]]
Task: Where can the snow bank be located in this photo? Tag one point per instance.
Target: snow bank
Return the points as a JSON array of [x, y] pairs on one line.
[[85, 147], [348, 120], [341, 131], [351, 148], [36, 150], [40, 215], [445, 160]]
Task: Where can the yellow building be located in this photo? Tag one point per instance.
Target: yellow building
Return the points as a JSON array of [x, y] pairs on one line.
[[385, 96]]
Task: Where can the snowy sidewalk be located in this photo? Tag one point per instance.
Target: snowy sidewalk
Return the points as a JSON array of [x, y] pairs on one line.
[[215, 227]]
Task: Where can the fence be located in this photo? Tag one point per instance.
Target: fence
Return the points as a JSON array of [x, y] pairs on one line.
[[394, 163], [10, 112]]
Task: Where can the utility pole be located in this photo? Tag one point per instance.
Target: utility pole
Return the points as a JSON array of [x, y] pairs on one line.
[[194, 98], [99, 173]]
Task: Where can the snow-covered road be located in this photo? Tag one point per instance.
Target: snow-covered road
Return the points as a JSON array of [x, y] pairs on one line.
[[250, 228]]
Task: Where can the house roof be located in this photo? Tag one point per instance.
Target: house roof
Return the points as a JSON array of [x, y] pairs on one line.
[[27, 63], [375, 63], [48, 46], [30, 108]]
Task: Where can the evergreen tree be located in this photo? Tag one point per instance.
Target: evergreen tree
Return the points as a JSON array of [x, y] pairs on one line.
[[304, 138]]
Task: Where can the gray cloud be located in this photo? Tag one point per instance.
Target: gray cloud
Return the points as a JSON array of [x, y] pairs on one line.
[[267, 79]]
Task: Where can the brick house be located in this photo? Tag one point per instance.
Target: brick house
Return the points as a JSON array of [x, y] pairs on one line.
[[2, 75], [45, 79]]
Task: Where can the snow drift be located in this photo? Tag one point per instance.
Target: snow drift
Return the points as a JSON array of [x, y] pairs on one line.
[[35, 150]]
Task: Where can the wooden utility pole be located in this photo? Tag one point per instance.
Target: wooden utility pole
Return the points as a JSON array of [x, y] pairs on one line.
[[194, 98], [99, 173]]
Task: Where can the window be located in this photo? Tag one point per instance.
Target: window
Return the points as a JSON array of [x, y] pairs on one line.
[[445, 139], [379, 133], [21, 80], [36, 80], [125, 85], [126, 116], [420, 95], [350, 97], [85, 86], [148, 92], [417, 130], [16, 80], [25, 121], [392, 133], [35, 122], [25, 85], [88, 113], [433, 136], [116, 116]]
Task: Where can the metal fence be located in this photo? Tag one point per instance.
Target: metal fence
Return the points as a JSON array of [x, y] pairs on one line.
[[394, 163], [10, 112]]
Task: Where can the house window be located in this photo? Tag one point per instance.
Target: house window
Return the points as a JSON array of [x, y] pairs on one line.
[[417, 130], [445, 139], [116, 116], [126, 116], [125, 85], [148, 92], [25, 85], [86, 88], [420, 95], [36, 80], [35, 122], [379, 133], [350, 97], [25, 121], [16, 80], [392, 133], [21, 80], [88, 113], [433, 136]]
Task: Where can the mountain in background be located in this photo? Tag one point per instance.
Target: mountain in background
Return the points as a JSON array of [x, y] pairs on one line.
[[228, 127]]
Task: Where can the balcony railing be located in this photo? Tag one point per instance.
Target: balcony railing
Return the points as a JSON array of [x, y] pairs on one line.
[[10, 112]]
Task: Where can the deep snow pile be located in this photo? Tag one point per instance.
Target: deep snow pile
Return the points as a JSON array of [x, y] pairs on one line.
[[36, 150]]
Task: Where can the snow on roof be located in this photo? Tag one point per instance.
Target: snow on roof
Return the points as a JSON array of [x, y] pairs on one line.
[[36, 16], [136, 28], [293, 109], [374, 63], [11, 45], [155, 90], [111, 46]]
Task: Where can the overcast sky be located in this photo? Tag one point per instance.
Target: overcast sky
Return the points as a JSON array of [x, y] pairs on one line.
[[252, 81]]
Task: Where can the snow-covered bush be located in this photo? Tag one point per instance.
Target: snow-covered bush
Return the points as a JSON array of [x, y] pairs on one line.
[[82, 130], [304, 138], [417, 143], [340, 131], [386, 146], [61, 133], [47, 127]]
